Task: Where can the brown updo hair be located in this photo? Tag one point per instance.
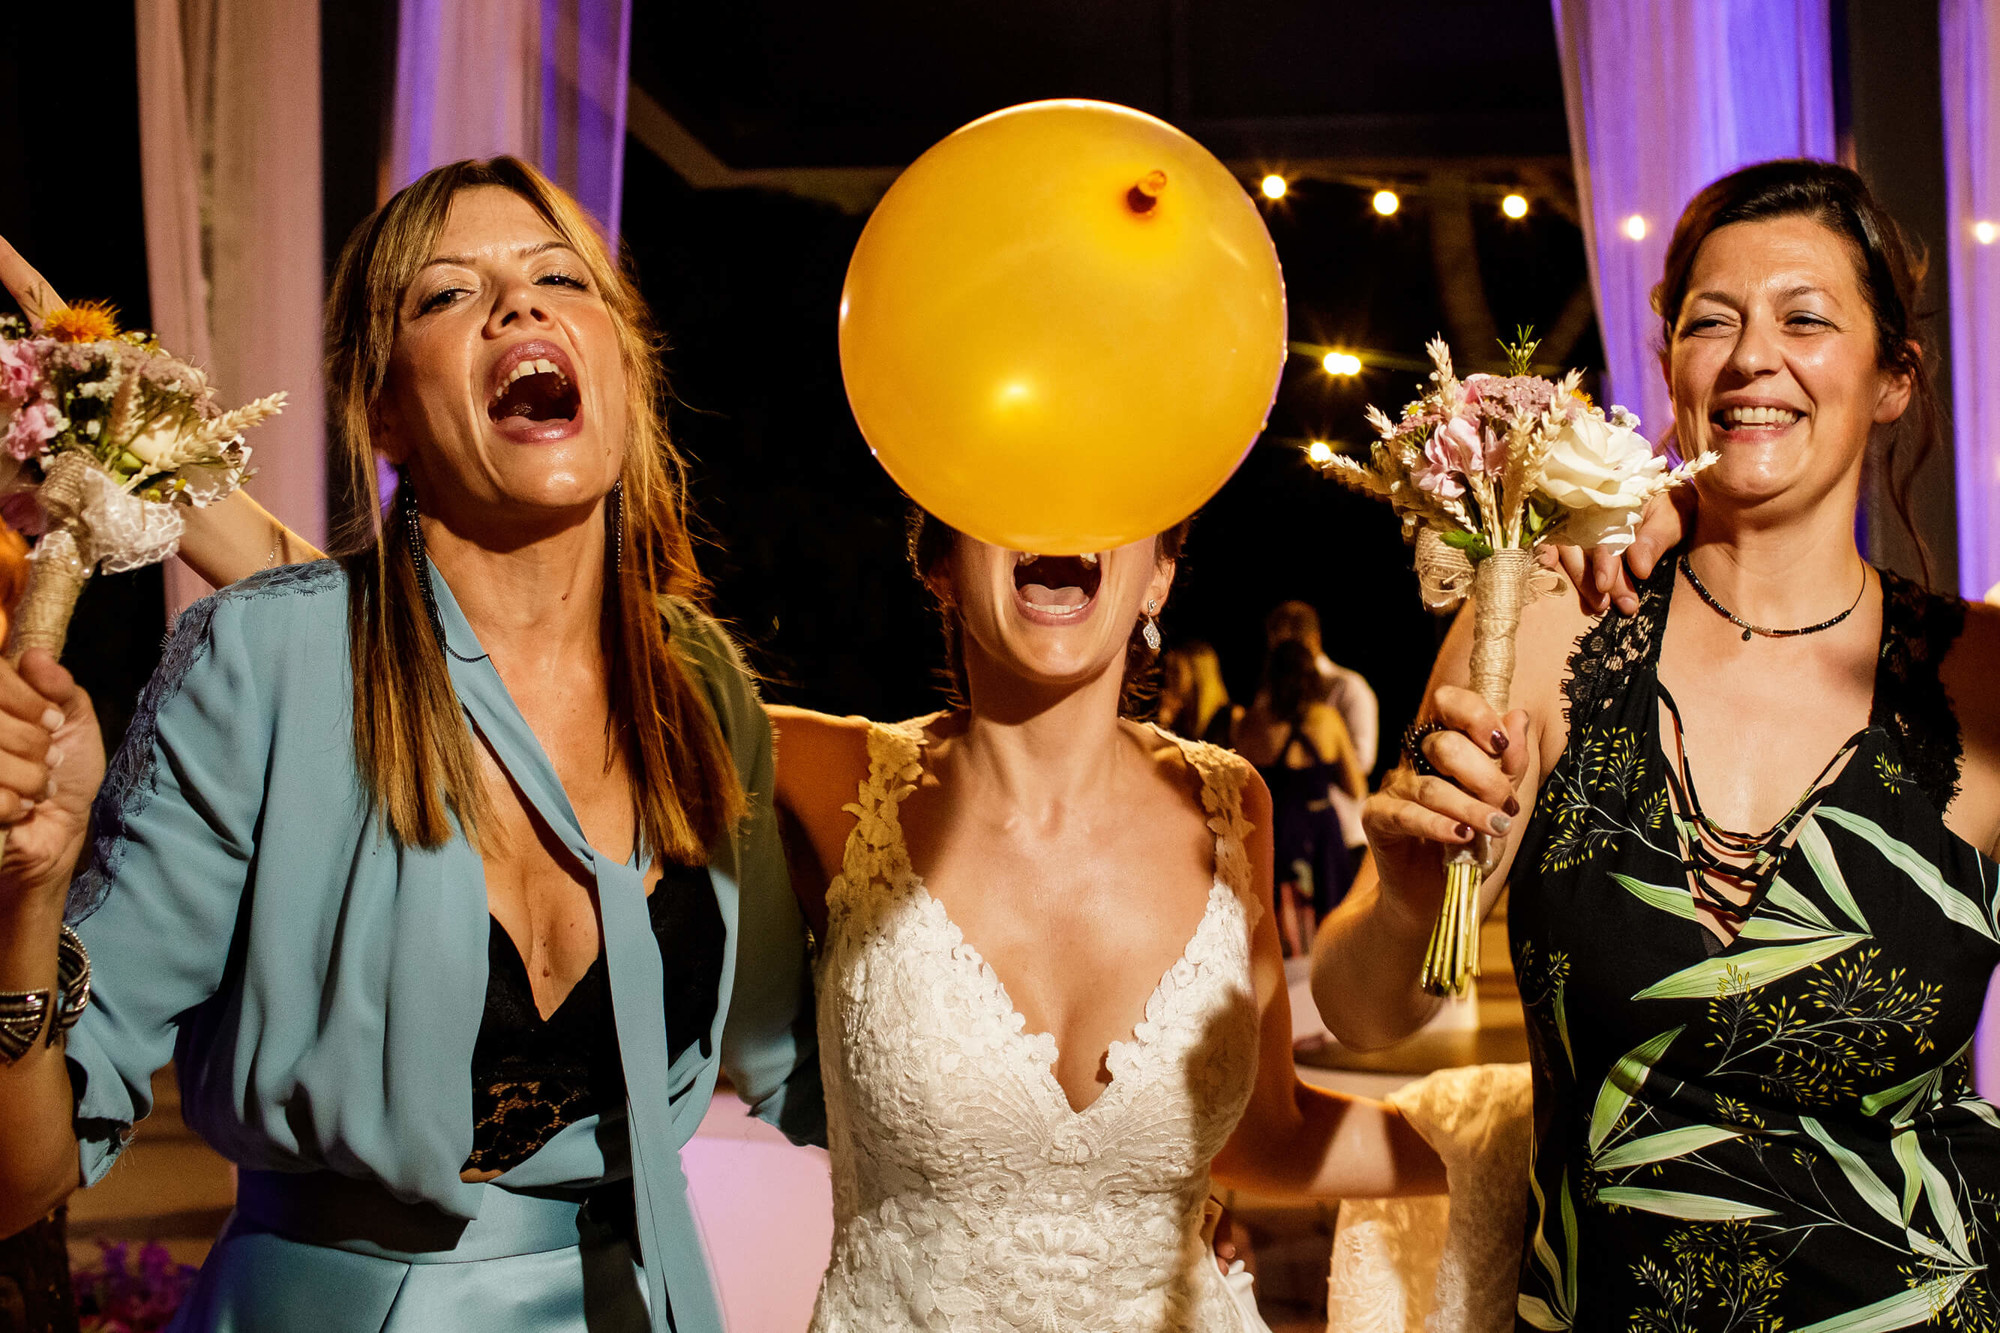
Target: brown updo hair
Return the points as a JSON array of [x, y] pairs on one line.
[[1891, 272], [931, 541]]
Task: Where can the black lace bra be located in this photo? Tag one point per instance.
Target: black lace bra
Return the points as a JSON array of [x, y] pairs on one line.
[[532, 1076]]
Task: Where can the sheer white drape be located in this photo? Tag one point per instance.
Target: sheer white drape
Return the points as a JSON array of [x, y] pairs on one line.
[[1664, 96], [1969, 41], [229, 153], [542, 79]]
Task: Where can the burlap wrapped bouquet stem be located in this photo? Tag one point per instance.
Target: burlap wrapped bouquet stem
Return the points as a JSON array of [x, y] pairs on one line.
[[61, 565], [1500, 587]]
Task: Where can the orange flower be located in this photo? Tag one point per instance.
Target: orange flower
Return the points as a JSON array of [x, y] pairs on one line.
[[86, 322]]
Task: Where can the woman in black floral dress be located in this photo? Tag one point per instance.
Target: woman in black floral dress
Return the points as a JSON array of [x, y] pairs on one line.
[[1753, 910]]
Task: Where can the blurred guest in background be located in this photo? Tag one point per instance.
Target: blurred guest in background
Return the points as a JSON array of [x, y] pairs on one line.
[[1343, 687], [1302, 749], [1193, 700], [1349, 694]]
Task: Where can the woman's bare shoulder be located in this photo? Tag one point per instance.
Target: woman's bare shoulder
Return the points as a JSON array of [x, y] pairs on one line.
[[815, 750]]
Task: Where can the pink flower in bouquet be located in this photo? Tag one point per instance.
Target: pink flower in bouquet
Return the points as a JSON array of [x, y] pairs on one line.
[[20, 378], [1458, 449], [32, 427]]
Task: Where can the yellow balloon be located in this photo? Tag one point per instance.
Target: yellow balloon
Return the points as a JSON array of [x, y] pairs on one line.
[[1063, 327]]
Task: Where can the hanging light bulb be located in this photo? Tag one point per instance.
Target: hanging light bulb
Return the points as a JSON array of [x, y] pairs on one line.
[[1386, 202], [1515, 206], [1319, 453], [1274, 187]]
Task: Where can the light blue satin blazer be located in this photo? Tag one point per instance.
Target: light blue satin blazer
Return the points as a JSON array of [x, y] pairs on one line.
[[320, 988]]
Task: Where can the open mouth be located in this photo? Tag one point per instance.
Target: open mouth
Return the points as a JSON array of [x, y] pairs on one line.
[[535, 387], [1056, 585], [1730, 420]]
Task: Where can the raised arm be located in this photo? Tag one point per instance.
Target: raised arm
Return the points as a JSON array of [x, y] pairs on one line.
[[237, 538], [51, 762], [223, 542], [1370, 949], [1295, 1139]]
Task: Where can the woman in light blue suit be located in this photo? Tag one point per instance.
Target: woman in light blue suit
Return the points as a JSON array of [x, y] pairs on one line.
[[446, 872]]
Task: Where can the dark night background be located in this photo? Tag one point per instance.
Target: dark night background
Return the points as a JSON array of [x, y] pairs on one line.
[[804, 532]]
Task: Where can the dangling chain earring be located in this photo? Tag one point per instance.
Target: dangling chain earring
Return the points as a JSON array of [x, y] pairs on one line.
[[617, 534], [413, 532], [1151, 632]]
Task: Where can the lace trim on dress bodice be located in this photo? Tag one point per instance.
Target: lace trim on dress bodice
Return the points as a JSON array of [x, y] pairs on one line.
[[968, 1193]]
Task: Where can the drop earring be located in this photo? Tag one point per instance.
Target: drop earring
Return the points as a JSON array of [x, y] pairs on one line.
[[1151, 632]]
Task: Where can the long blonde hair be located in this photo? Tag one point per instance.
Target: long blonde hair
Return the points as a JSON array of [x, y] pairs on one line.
[[412, 745]]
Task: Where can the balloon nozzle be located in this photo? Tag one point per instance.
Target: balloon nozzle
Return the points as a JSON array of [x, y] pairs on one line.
[[1141, 197]]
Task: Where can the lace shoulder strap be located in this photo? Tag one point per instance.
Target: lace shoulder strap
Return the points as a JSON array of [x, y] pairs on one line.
[[875, 849], [1223, 773], [1911, 703], [1615, 649]]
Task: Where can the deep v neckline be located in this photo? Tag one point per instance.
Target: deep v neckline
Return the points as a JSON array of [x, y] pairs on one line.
[[1034, 1045]]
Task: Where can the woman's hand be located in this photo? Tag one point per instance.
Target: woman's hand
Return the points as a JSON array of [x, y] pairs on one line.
[[1416, 820], [51, 765], [1602, 579], [29, 288]]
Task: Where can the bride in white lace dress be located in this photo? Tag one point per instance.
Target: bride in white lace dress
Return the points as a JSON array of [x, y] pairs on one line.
[[1051, 1000]]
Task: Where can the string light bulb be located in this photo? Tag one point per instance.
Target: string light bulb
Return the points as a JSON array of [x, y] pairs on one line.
[[1515, 206], [1635, 227], [1319, 453], [1274, 187], [1341, 363], [1386, 202], [1985, 232]]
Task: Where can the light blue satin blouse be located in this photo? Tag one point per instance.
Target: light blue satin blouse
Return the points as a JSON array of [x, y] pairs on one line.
[[320, 988]]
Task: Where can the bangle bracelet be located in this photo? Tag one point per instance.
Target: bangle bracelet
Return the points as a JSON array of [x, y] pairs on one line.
[[1413, 745], [73, 983], [22, 1013]]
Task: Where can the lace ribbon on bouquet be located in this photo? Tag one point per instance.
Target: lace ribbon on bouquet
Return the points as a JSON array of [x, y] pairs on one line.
[[92, 523], [1444, 574]]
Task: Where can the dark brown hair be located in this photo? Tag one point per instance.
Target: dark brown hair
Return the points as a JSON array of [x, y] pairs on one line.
[[1890, 270], [412, 746], [931, 543]]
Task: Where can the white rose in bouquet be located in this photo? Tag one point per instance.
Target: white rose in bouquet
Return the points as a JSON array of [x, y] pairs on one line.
[[1603, 471]]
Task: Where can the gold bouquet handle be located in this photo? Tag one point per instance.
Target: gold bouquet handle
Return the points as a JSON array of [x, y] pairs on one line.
[[61, 563], [1500, 584]]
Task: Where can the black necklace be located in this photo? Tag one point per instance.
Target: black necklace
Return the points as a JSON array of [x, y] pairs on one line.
[[1687, 571]]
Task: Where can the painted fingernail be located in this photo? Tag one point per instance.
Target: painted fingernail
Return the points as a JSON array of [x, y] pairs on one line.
[[1463, 830], [1499, 741], [1499, 824], [52, 719], [1513, 807]]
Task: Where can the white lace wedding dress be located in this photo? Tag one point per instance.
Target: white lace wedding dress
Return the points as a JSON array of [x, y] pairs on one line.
[[967, 1194]]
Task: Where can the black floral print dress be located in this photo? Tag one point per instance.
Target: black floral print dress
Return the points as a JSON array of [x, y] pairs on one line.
[[1780, 1132]]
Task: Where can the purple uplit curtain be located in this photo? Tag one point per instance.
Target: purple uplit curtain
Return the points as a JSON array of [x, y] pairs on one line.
[[1969, 44], [542, 79], [1969, 40], [1663, 96]]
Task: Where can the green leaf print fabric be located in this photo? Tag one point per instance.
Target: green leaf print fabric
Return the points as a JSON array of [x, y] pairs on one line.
[[1780, 1133]]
